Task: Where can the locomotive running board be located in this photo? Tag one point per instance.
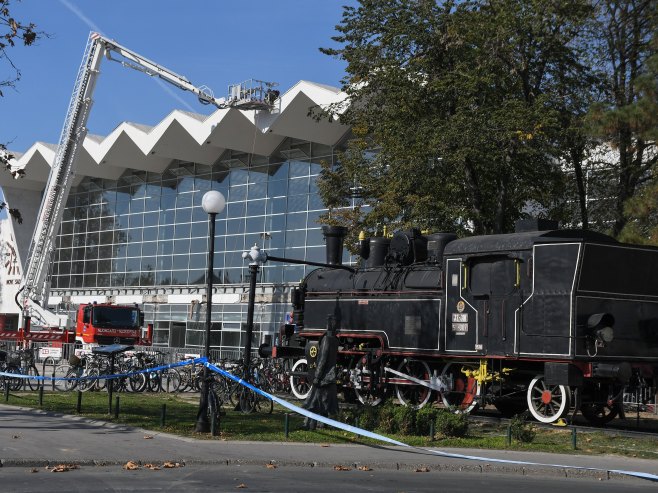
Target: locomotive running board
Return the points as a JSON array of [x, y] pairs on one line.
[[435, 383]]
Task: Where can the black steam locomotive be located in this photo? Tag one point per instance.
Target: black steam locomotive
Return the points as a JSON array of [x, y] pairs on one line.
[[549, 320]]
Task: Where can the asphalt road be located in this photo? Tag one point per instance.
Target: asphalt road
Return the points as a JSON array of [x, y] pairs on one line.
[[258, 478], [32, 442]]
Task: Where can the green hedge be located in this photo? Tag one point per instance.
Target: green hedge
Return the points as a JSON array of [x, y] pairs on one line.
[[396, 419]]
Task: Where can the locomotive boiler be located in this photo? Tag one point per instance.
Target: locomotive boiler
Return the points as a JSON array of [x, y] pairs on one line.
[[545, 319]]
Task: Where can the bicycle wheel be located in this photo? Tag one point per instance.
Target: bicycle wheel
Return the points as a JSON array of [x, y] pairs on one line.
[[171, 380], [245, 399], [262, 403], [31, 383], [15, 384], [137, 382], [61, 371], [89, 381], [72, 373]]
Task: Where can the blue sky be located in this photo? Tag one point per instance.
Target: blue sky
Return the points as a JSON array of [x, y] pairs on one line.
[[211, 42]]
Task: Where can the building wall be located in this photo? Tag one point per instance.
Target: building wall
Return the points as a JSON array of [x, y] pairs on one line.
[[144, 238]]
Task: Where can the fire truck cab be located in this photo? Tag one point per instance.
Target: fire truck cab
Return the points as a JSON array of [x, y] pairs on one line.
[[106, 323]]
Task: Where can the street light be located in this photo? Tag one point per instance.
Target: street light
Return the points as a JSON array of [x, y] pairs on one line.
[[213, 203]]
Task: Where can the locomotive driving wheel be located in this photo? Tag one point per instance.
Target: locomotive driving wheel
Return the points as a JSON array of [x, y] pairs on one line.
[[300, 385], [547, 403], [463, 396], [366, 384], [412, 394]]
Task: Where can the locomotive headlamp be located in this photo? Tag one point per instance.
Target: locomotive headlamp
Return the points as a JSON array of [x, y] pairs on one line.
[[600, 325], [606, 334]]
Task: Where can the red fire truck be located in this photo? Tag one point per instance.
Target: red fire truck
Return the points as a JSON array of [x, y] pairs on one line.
[[106, 323]]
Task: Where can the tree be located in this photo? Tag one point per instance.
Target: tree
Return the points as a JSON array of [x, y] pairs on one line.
[[456, 101], [626, 117]]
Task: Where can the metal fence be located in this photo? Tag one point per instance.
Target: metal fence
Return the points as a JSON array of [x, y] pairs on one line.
[[171, 354]]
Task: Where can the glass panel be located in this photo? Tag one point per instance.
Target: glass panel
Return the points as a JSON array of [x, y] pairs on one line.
[[298, 186], [198, 245], [295, 238], [149, 248], [297, 203], [134, 249], [165, 262], [255, 208], [150, 234], [296, 221], [236, 209], [197, 261], [165, 247], [182, 246], [298, 168], [277, 188], [183, 230], [180, 261]]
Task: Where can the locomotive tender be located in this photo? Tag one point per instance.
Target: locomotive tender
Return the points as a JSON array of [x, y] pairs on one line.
[[553, 321]]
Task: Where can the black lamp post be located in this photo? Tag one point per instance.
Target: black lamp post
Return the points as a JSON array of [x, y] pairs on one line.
[[213, 203], [256, 257]]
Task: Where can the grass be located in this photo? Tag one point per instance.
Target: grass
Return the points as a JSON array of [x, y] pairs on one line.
[[145, 411]]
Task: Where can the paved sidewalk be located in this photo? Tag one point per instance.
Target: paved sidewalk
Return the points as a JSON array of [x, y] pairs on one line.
[[33, 438]]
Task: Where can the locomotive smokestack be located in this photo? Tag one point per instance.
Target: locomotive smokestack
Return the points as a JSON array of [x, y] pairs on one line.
[[334, 237]]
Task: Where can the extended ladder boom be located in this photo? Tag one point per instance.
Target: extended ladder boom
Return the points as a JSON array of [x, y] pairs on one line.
[[61, 176]]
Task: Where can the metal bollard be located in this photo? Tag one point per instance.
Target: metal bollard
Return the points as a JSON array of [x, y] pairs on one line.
[[574, 439], [116, 408], [6, 390], [286, 424], [432, 430], [78, 407], [214, 425], [509, 435], [41, 396], [163, 415]]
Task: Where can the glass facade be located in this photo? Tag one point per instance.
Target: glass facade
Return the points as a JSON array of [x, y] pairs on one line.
[[147, 230]]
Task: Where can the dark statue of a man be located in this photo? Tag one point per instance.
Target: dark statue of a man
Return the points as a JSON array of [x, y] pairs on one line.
[[323, 399]]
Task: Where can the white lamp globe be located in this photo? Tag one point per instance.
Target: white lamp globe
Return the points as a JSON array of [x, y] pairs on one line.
[[213, 202]]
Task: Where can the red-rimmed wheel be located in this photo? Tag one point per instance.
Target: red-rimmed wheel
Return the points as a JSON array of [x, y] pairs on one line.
[[462, 396], [547, 403]]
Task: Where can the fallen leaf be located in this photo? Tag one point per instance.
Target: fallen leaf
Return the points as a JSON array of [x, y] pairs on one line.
[[34, 470], [342, 468], [170, 465], [270, 466], [152, 467], [131, 466], [324, 445], [241, 485], [148, 437], [364, 468], [64, 467], [423, 469], [16, 436]]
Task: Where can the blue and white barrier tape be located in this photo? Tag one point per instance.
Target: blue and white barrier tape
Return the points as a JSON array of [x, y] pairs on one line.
[[338, 424], [365, 433]]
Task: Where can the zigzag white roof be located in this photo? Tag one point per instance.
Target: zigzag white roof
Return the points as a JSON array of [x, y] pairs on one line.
[[188, 136]]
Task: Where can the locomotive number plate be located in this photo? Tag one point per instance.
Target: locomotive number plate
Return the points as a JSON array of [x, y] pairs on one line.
[[459, 328], [460, 317]]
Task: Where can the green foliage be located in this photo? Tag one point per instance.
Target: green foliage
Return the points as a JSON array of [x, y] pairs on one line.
[[405, 420], [521, 430], [387, 417], [458, 99], [452, 425], [425, 416]]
